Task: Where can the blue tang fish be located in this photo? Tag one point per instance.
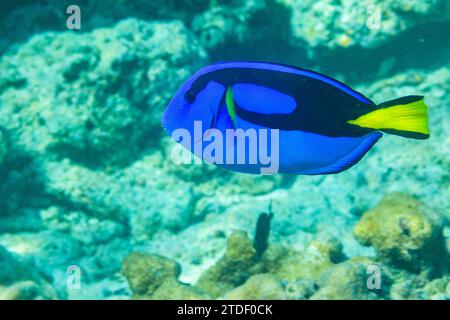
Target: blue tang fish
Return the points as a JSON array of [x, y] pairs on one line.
[[322, 126]]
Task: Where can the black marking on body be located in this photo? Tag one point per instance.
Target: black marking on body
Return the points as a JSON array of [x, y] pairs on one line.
[[320, 107]]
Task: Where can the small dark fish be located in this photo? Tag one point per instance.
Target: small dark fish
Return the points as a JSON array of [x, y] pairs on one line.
[[262, 232]]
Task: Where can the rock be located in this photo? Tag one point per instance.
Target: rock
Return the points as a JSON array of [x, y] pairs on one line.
[[3, 147], [98, 263], [87, 230], [438, 289], [366, 24], [22, 184], [349, 281], [255, 185], [299, 272], [300, 289], [289, 273], [404, 233], [39, 17], [27, 220], [50, 15], [20, 279], [258, 287], [172, 289], [222, 24], [13, 268], [224, 27], [146, 273], [408, 286], [114, 287], [155, 277], [103, 93], [139, 194], [26, 290], [318, 208], [233, 269], [291, 265], [54, 249], [48, 248]]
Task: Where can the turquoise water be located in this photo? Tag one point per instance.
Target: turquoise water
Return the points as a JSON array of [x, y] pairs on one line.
[[93, 205]]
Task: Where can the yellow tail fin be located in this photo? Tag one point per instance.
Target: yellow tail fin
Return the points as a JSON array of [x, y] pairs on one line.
[[405, 116]]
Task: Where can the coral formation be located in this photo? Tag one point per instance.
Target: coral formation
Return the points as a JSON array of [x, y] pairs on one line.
[[405, 234], [407, 238], [155, 277], [20, 280], [224, 28], [128, 196], [175, 290], [232, 269], [146, 273], [3, 147], [258, 287], [87, 180], [360, 23], [50, 15], [103, 94], [239, 274], [348, 281]]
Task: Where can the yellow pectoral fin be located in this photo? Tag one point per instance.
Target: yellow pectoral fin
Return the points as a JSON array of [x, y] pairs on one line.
[[408, 117]]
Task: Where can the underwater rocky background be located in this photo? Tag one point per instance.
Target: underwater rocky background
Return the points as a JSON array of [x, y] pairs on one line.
[[86, 178]]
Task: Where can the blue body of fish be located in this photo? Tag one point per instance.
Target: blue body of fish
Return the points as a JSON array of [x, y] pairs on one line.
[[321, 126]]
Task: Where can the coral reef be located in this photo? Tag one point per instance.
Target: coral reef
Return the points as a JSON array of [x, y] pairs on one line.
[[405, 234], [50, 15], [410, 250], [3, 147], [238, 274], [348, 281], [232, 22], [155, 277], [20, 280], [86, 177], [175, 290], [128, 196], [232, 269], [320, 271], [258, 287], [367, 23], [146, 273], [103, 94], [21, 182]]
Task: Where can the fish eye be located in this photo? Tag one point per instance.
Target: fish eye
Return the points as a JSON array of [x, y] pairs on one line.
[[190, 96]]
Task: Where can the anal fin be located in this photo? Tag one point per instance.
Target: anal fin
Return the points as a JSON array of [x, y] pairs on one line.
[[349, 159]]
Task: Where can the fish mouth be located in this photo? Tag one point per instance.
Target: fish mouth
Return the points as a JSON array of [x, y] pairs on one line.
[[163, 125], [164, 121]]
